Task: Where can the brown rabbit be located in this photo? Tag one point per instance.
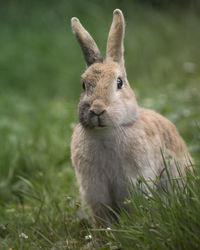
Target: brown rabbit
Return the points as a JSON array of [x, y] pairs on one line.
[[117, 141]]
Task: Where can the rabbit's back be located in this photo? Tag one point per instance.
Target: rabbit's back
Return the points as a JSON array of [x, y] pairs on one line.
[[154, 136]]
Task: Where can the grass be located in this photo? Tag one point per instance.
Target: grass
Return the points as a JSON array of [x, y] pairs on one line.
[[167, 222], [40, 65]]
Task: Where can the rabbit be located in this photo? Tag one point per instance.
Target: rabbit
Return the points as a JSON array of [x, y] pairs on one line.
[[117, 141]]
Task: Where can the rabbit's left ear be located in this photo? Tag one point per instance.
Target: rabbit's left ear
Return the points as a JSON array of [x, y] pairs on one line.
[[115, 44], [89, 48]]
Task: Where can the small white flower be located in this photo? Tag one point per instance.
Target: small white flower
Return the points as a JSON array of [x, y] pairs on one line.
[[189, 67], [108, 228], [23, 235], [114, 247], [72, 125], [88, 237]]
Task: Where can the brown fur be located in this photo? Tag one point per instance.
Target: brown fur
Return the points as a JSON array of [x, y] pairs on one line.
[[116, 141]]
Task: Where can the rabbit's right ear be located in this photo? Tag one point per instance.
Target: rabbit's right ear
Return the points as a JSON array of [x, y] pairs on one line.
[[115, 44], [89, 48]]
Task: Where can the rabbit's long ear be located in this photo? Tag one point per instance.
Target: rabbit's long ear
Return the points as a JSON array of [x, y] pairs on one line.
[[89, 48], [115, 44]]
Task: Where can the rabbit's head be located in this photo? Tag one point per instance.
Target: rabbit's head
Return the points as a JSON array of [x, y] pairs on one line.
[[107, 99]]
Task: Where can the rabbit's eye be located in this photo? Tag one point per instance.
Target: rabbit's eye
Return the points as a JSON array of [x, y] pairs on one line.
[[119, 83], [83, 85]]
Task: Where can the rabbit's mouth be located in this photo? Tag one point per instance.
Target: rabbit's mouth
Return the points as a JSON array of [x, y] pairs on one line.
[[97, 122], [100, 123]]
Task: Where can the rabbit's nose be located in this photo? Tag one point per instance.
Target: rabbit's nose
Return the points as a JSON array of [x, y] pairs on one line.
[[97, 108], [97, 112]]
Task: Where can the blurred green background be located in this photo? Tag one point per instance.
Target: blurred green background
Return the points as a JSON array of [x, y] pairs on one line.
[[40, 68]]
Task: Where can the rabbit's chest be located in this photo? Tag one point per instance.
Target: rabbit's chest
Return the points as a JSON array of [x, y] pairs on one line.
[[107, 159], [106, 156], [103, 158]]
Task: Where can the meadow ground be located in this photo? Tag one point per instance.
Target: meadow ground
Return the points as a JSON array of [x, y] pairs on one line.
[[40, 67]]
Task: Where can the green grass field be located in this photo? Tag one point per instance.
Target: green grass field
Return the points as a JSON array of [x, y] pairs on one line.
[[40, 67]]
